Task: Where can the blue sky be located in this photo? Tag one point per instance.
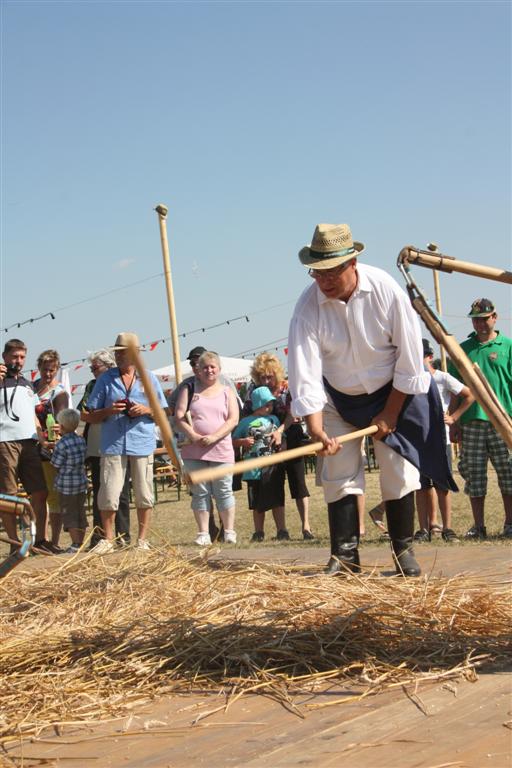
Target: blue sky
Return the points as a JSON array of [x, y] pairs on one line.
[[252, 122]]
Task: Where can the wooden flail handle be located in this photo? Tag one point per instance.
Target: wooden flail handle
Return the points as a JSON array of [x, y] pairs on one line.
[[158, 413], [205, 475]]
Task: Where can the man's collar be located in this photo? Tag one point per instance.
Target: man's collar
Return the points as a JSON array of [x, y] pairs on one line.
[[498, 339]]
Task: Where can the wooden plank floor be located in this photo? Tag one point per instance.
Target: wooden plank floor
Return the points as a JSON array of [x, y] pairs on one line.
[[457, 725]]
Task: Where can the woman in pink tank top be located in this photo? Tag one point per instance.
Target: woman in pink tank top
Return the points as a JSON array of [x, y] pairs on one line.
[[211, 417]]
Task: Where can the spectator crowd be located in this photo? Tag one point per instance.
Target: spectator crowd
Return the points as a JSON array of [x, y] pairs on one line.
[[56, 454]]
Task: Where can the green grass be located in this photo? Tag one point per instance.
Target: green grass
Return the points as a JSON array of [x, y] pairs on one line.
[[173, 521]]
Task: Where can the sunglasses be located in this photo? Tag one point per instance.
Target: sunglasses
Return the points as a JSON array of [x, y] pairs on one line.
[[327, 274]]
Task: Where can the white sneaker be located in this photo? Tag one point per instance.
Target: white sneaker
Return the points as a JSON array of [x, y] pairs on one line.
[[203, 540], [72, 550], [143, 544], [103, 547], [229, 537]]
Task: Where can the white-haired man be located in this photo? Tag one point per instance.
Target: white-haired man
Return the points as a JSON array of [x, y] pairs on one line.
[[355, 358]]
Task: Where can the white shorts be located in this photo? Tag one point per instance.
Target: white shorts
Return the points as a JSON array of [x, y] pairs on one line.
[[112, 474], [343, 474]]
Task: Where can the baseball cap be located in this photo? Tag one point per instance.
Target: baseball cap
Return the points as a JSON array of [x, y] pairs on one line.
[[196, 352], [428, 349], [482, 308], [260, 397]]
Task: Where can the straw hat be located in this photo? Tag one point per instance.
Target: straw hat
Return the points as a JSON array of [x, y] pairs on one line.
[[126, 339], [331, 245]]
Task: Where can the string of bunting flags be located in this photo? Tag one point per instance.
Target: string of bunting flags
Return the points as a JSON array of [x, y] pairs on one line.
[[254, 352], [152, 345]]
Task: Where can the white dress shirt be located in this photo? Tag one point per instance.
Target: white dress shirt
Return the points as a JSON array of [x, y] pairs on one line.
[[358, 345]]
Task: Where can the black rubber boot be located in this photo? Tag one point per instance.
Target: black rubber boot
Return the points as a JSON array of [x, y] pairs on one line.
[[344, 531], [400, 515]]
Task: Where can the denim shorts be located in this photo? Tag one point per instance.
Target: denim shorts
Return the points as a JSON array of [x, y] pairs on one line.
[[221, 489]]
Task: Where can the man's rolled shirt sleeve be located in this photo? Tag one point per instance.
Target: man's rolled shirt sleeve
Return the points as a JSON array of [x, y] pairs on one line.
[[409, 375], [97, 398], [305, 369]]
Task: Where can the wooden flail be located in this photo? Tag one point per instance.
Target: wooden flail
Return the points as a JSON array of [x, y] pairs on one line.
[[470, 372]]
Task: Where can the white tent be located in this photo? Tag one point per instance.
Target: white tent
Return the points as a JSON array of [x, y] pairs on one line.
[[235, 368]]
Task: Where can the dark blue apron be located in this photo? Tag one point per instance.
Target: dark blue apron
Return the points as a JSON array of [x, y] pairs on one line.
[[420, 435]]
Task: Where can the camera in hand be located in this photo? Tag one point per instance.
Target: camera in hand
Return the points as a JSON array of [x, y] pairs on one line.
[[12, 369], [127, 405]]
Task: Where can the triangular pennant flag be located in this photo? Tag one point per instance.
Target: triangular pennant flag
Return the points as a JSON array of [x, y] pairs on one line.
[[153, 345]]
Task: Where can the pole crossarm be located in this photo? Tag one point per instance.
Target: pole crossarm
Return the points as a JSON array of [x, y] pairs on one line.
[[444, 263], [469, 371]]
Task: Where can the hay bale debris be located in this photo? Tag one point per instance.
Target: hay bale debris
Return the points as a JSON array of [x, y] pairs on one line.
[[98, 636]]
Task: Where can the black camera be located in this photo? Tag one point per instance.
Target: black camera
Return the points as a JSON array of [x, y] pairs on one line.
[[12, 369], [127, 405]]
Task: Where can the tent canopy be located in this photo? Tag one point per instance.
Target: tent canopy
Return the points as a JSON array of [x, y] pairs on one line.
[[235, 368]]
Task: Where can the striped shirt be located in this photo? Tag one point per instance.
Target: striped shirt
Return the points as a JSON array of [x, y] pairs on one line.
[[68, 458]]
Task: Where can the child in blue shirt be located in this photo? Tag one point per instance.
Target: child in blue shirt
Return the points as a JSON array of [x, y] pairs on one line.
[[71, 481], [253, 434]]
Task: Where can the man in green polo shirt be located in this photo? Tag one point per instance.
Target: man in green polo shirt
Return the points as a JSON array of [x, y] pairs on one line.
[[492, 351]]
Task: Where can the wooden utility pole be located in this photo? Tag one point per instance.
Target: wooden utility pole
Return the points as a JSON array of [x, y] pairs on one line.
[[437, 292], [162, 216]]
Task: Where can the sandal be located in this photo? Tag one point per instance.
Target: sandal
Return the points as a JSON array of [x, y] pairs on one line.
[[377, 517], [435, 530], [449, 535]]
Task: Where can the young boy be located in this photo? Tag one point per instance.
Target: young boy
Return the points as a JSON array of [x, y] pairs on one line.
[[71, 481], [449, 388], [253, 435]]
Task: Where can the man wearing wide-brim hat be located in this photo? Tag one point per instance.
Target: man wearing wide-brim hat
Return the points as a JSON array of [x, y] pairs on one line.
[[128, 437], [491, 350], [355, 358]]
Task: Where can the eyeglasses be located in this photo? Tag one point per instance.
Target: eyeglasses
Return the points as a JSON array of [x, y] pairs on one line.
[[327, 274]]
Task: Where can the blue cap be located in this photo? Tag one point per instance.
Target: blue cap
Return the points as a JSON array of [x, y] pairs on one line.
[[260, 397]]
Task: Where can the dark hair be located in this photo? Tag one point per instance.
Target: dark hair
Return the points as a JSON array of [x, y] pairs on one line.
[[13, 344]]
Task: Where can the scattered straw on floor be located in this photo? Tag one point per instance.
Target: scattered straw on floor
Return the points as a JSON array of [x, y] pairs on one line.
[[96, 636]]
